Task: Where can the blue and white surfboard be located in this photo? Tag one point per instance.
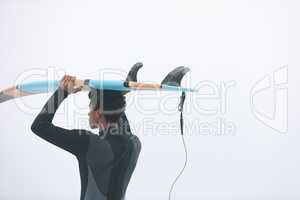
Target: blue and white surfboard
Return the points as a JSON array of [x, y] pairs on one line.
[[170, 83]]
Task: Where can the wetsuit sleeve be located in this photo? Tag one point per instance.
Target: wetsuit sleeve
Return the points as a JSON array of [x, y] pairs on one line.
[[74, 141]]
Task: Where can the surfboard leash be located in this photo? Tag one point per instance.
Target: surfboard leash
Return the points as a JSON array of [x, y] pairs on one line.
[[180, 109]]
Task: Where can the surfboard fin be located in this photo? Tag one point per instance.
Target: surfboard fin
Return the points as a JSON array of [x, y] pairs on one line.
[[132, 74], [175, 76]]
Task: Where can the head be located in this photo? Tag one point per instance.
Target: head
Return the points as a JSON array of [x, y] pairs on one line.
[[106, 106]]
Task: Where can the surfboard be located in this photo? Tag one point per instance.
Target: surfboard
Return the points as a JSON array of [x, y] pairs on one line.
[[170, 83]]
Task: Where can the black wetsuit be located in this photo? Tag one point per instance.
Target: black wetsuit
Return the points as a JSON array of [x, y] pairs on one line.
[[106, 161]]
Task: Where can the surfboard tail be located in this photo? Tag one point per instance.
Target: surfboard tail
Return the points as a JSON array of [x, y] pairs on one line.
[[4, 97], [11, 93]]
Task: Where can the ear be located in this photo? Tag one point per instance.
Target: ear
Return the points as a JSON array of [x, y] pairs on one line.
[[100, 118], [97, 115]]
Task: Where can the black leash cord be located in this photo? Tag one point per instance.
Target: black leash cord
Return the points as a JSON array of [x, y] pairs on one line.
[[180, 108]]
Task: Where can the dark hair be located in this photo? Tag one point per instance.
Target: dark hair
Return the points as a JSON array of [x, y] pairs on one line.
[[112, 103]]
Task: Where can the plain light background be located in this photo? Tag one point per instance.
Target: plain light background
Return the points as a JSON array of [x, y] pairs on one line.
[[222, 41]]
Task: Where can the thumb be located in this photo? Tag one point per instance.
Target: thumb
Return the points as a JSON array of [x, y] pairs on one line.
[[78, 89]]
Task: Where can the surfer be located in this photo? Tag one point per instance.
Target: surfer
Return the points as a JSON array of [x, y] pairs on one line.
[[106, 160]]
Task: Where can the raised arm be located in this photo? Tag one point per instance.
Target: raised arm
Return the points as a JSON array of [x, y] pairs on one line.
[[74, 141]]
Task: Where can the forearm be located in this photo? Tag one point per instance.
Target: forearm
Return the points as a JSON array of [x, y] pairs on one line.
[[46, 115], [74, 141]]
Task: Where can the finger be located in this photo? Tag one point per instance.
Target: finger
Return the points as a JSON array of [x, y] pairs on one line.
[[78, 89], [68, 79], [65, 84], [70, 82]]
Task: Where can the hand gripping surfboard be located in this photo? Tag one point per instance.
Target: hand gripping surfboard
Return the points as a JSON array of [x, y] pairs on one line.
[[170, 83]]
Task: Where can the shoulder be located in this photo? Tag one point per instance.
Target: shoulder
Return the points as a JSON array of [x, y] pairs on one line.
[[134, 142], [135, 138]]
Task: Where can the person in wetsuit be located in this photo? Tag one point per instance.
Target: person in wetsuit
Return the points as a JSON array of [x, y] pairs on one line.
[[106, 161]]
